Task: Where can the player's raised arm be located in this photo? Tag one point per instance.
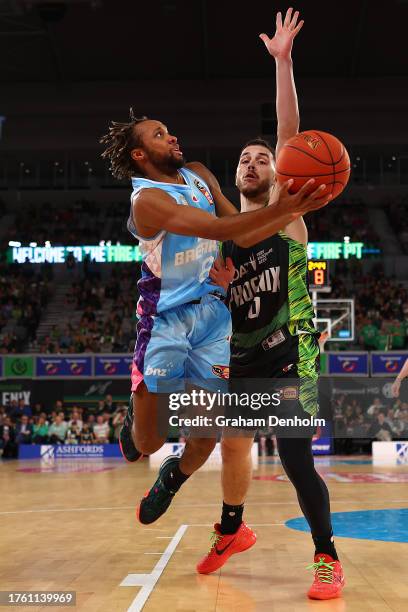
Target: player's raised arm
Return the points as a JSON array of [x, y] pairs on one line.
[[287, 109], [280, 47]]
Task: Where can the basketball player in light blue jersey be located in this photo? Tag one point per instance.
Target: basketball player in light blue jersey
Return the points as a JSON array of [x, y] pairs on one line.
[[178, 213]]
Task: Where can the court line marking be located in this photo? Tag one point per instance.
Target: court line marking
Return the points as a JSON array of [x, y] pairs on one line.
[[159, 553], [148, 581], [103, 508], [249, 524]]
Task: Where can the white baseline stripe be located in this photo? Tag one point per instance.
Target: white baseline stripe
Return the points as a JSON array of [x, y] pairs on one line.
[[149, 581]]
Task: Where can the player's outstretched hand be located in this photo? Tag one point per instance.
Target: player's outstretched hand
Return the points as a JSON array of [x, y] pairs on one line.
[[222, 272], [304, 200], [280, 46]]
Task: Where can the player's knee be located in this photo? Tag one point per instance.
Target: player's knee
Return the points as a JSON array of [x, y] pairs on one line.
[[203, 447], [147, 446], [233, 448]]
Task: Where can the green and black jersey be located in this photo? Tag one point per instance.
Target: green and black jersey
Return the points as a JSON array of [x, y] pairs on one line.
[[270, 305]]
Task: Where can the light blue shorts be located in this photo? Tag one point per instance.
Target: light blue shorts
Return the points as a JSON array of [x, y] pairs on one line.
[[188, 343]]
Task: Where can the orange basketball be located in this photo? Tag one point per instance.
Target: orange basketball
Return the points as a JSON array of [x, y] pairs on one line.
[[317, 155]]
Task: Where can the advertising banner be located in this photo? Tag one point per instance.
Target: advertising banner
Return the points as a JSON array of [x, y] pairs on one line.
[[387, 364], [57, 367], [49, 452], [18, 366], [348, 364], [14, 390], [322, 442], [113, 365]]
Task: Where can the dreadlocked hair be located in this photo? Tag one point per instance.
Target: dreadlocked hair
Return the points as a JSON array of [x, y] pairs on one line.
[[119, 141]]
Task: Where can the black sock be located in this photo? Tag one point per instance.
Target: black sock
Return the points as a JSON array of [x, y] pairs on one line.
[[231, 518], [174, 479], [325, 545]]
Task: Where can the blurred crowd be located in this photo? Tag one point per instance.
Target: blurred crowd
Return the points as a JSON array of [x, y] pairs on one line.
[[345, 217], [356, 426], [23, 295], [381, 306], [24, 424], [107, 313], [103, 307], [81, 222]]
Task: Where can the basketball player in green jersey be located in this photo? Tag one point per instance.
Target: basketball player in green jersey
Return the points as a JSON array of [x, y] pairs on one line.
[[274, 338]]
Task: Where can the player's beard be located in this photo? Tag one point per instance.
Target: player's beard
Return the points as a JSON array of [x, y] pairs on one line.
[[254, 190], [166, 164]]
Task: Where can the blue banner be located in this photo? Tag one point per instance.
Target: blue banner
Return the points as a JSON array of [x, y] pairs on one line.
[[348, 364], [48, 452], [113, 365], [322, 443], [387, 364], [55, 367]]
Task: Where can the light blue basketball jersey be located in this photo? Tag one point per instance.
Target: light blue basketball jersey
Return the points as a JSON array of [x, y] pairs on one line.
[[175, 268]]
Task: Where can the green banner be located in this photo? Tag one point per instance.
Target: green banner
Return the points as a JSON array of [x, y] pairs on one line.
[[323, 363], [18, 366]]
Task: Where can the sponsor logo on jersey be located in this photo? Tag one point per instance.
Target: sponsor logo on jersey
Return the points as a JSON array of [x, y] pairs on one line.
[[268, 280], [204, 191], [262, 255], [155, 371], [204, 247], [243, 269], [273, 340], [289, 393], [221, 371]]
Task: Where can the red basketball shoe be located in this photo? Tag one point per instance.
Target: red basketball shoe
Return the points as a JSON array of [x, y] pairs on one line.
[[223, 546], [329, 578]]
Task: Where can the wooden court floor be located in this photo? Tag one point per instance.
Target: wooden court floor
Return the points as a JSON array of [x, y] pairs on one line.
[[72, 526]]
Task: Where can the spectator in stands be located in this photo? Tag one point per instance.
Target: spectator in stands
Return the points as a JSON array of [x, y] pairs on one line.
[[368, 335], [75, 420], [398, 333], [380, 430], [8, 446], [40, 430], [110, 406], [118, 420], [73, 434], [58, 406], [58, 430], [101, 430], [86, 435], [24, 431], [375, 407], [38, 409], [12, 408], [91, 420]]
